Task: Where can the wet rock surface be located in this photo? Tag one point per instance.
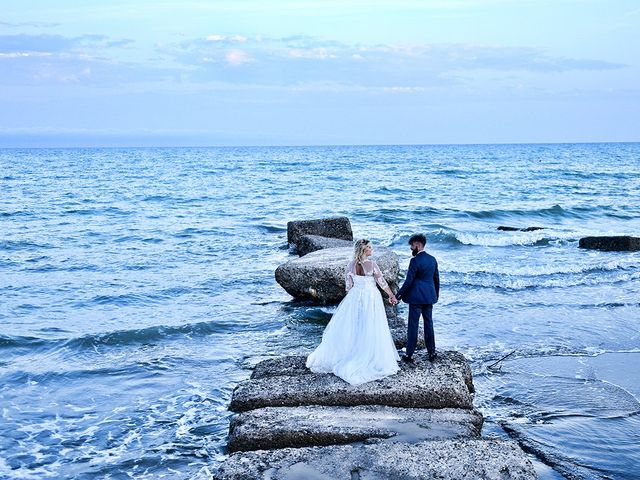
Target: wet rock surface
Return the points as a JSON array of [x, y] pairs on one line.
[[611, 244], [442, 459], [306, 426], [444, 383], [516, 229], [336, 227], [320, 275], [313, 243]]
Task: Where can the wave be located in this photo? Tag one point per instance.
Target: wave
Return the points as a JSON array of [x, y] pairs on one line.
[[143, 335], [10, 341], [110, 210], [554, 269], [122, 337], [13, 245], [551, 213], [18, 213], [272, 228], [501, 239], [515, 284]]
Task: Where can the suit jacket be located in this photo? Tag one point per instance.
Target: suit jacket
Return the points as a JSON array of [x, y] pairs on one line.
[[422, 283]]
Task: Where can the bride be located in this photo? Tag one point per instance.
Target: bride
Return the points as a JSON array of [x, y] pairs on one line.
[[356, 344]]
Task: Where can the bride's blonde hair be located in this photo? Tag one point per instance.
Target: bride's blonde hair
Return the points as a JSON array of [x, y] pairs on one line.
[[359, 248]]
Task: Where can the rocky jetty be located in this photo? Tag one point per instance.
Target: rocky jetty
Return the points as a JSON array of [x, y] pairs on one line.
[[611, 244], [293, 424], [338, 227], [313, 243], [319, 275], [420, 423]]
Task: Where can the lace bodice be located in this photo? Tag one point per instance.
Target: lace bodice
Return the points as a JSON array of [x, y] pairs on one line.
[[370, 268]]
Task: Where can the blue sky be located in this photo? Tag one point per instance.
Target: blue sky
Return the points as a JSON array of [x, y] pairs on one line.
[[245, 72]]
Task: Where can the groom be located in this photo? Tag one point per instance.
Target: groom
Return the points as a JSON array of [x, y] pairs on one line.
[[421, 289]]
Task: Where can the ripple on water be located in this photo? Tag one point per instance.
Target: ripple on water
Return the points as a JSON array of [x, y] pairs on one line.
[[552, 404]]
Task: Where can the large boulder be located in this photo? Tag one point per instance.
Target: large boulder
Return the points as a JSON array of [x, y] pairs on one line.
[[320, 275], [286, 382], [313, 243], [313, 425], [457, 459], [338, 227], [618, 243]]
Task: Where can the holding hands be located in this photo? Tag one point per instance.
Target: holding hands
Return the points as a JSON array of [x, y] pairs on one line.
[[392, 299]]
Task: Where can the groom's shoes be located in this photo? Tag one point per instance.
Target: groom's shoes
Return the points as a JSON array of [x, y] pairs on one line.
[[433, 356], [407, 359]]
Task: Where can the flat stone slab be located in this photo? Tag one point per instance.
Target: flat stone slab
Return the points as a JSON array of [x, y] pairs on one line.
[[312, 243], [336, 227], [319, 275], [611, 244], [462, 459], [285, 381], [308, 426]]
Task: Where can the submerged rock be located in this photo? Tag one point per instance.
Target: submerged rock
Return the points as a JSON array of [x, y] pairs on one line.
[[444, 383], [611, 244], [319, 275], [459, 459], [337, 227], [313, 243], [514, 229], [307, 426]]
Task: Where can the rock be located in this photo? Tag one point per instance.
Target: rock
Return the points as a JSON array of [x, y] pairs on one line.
[[459, 459], [319, 275], [611, 244], [514, 229], [312, 243], [398, 328], [308, 426], [286, 382], [338, 227]]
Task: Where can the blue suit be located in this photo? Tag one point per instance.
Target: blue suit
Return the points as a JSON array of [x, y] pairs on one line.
[[421, 289]]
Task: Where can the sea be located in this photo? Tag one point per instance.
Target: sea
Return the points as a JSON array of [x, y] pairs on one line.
[[137, 290]]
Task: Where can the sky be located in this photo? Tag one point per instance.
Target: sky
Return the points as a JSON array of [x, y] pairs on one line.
[[318, 72]]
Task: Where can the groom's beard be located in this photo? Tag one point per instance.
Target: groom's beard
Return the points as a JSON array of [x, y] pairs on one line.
[[414, 251]]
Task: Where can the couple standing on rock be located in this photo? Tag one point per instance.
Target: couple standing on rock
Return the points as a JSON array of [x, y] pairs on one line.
[[356, 344]]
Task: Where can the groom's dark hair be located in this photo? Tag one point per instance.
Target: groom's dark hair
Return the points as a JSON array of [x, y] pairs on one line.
[[418, 237]]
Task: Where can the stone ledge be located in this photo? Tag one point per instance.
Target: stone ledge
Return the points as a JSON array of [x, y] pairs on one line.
[[293, 365], [312, 243], [308, 426], [467, 459], [445, 383], [335, 227]]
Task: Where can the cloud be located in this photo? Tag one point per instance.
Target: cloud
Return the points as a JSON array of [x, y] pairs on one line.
[[399, 68], [226, 38], [29, 24], [292, 61], [57, 43], [237, 57]]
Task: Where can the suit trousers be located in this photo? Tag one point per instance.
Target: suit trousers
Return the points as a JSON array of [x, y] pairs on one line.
[[415, 310]]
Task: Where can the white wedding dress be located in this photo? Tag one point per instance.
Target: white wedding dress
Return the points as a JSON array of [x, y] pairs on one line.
[[356, 344]]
